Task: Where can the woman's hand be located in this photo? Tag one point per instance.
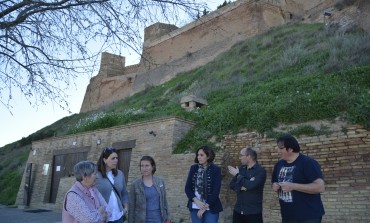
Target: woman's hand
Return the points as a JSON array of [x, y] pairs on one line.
[[200, 213], [101, 209], [202, 210], [198, 203], [103, 213]]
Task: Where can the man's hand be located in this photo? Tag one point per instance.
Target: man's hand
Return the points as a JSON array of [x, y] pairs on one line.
[[276, 187], [286, 186], [233, 171]]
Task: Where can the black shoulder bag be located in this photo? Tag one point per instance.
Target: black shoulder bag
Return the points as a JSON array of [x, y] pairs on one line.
[[115, 190], [119, 196]]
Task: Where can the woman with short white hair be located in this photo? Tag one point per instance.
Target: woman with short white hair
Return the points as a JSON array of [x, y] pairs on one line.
[[83, 202]]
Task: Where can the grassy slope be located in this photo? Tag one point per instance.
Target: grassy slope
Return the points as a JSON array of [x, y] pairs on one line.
[[293, 74]]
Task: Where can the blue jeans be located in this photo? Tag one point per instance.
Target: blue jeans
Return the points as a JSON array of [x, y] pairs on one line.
[[208, 217], [121, 220]]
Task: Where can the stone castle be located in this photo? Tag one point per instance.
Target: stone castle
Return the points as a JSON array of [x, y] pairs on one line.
[[169, 50]]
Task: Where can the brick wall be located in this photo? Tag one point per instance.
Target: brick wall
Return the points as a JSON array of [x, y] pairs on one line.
[[344, 159], [168, 133]]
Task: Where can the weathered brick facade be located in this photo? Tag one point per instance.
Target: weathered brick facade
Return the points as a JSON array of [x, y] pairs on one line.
[[344, 159], [167, 133]]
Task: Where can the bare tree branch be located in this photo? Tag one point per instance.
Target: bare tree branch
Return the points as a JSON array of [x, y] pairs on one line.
[[45, 44]]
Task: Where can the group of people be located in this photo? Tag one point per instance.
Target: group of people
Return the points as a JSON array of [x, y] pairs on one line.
[[100, 194], [296, 178]]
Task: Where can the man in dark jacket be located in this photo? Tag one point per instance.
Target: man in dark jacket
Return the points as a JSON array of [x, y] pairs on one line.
[[248, 183]]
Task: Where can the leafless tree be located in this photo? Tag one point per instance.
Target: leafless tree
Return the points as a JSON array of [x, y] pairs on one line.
[[46, 44]]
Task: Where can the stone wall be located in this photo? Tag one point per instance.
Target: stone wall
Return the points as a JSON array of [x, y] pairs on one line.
[[113, 82], [344, 160], [168, 133]]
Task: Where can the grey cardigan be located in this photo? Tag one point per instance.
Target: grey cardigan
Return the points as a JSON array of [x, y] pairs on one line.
[[137, 204], [105, 188]]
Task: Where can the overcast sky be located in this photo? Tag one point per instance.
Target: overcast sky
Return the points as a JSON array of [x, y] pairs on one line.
[[26, 119]]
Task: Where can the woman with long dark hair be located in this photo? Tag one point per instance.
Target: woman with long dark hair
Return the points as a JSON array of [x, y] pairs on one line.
[[203, 187], [111, 184]]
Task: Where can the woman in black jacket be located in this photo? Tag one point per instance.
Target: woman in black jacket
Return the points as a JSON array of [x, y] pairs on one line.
[[203, 187]]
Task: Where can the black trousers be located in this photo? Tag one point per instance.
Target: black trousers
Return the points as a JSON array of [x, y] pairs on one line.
[[121, 220], [318, 220], [249, 218]]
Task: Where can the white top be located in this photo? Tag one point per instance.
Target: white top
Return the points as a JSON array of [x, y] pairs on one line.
[[194, 205], [113, 208]]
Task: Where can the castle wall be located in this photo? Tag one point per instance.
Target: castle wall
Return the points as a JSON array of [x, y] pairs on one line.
[[169, 51], [234, 22]]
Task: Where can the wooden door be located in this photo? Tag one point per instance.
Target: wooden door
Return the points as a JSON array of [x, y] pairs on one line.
[[59, 171], [63, 167], [124, 149], [124, 157], [27, 185]]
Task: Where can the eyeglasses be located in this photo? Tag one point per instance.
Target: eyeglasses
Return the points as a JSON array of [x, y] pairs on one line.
[[240, 155], [109, 150]]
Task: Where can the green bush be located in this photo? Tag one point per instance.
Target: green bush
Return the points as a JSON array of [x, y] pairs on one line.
[[9, 191]]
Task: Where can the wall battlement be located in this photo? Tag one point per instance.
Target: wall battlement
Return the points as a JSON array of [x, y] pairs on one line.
[[111, 65]]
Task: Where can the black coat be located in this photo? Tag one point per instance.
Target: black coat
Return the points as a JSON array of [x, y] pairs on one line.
[[213, 173], [250, 198]]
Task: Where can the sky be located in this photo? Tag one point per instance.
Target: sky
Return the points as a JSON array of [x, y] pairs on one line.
[[25, 119]]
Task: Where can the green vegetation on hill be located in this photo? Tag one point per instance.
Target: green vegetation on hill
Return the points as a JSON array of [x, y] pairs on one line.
[[293, 74], [12, 164]]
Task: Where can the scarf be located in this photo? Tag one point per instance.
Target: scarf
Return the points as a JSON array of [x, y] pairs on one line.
[[201, 183]]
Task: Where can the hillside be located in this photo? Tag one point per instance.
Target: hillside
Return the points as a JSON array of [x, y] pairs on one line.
[[294, 74]]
